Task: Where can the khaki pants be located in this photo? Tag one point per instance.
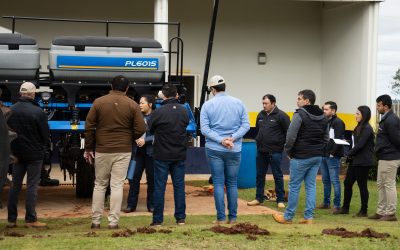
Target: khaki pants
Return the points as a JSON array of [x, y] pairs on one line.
[[110, 169], [386, 182]]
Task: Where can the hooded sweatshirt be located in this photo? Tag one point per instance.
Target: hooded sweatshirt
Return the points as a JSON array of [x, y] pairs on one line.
[[308, 133]]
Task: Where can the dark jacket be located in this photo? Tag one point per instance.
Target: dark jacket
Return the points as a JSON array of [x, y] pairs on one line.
[[271, 130], [307, 135], [4, 143], [338, 126], [113, 123], [388, 138], [30, 123], [168, 125], [362, 152]]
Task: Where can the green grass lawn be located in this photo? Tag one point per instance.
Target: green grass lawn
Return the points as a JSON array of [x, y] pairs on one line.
[[71, 233]]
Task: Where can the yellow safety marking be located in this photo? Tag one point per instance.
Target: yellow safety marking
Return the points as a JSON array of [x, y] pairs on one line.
[[74, 127], [348, 119]]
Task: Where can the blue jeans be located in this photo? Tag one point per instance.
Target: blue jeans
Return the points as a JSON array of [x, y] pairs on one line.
[[302, 169], [330, 168], [224, 171], [161, 170], [32, 170], [262, 162]]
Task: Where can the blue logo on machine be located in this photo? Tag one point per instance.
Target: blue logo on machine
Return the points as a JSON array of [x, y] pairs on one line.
[[106, 63]]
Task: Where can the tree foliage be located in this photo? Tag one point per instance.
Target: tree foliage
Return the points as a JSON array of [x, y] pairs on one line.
[[395, 85]]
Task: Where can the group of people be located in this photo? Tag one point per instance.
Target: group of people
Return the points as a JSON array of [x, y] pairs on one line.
[[119, 131], [313, 141]]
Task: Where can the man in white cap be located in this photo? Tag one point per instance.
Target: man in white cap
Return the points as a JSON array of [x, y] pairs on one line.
[[224, 121], [30, 123]]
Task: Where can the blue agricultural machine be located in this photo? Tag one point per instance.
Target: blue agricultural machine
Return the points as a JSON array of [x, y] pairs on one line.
[[80, 70]]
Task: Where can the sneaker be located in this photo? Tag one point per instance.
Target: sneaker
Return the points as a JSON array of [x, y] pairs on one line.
[[324, 206], [361, 214], [11, 225], [391, 217], [232, 222], [375, 217], [113, 226], [219, 222], [307, 221], [156, 224], [280, 219], [281, 205], [180, 222], [253, 203], [341, 211], [35, 224], [95, 226], [49, 182]]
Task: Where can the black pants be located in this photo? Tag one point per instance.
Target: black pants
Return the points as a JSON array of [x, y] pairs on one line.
[[144, 162], [359, 174]]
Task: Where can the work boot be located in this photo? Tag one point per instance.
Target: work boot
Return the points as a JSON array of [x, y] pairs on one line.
[[36, 224], [324, 206], [307, 221], [341, 211], [11, 225], [335, 210], [281, 205], [375, 217], [391, 217], [280, 219], [219, 222], [253, 203], [361, 214]]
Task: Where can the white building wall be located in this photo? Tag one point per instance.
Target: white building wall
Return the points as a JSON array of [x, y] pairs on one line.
[[349, 55]]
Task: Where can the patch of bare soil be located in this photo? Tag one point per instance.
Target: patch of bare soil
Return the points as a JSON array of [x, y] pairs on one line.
[[13, 234], [241, 228], [165, 231], [344, 233], [91, 234], [146, 230], [123, 233]]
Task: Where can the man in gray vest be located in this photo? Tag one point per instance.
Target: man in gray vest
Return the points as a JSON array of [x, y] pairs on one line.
[[306, 139]]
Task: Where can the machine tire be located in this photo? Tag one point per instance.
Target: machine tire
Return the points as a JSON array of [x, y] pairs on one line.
[[84, 179]]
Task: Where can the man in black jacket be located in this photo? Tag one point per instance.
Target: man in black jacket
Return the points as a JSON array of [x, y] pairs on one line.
[[271, 125], [306, 139], [388, 153], [330, 167], [30, 123], [168, 125]]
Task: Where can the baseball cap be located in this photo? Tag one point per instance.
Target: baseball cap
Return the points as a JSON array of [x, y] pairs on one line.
[[215, 80], [27, 87]]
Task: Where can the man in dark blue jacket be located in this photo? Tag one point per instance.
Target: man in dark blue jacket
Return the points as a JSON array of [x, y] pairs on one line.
[[168, 125], [4, 153], [306, 139], [388, 153], [330, 167], [271, 125], [30, 123]]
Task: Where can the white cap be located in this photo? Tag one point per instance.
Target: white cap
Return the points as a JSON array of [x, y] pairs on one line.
[[27, 87], [215, 80]]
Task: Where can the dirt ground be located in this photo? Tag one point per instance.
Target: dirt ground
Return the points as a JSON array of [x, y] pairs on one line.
[[60, 202]]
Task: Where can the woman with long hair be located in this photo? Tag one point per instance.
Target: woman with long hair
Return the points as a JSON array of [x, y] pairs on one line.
[[360, 159], [143, 155]]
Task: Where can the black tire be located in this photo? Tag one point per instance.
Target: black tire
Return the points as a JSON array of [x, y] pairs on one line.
[[84, 179]]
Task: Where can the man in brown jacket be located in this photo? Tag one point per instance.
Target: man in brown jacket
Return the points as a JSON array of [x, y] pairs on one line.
[[112, 124]]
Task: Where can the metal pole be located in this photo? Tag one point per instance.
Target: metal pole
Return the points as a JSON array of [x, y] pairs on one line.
[[209, 51]]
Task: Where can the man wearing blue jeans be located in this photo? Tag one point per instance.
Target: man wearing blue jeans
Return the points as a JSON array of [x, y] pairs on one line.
[[306, 139], [271, 126], [224, 121], [168, 125], [330, 167]]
